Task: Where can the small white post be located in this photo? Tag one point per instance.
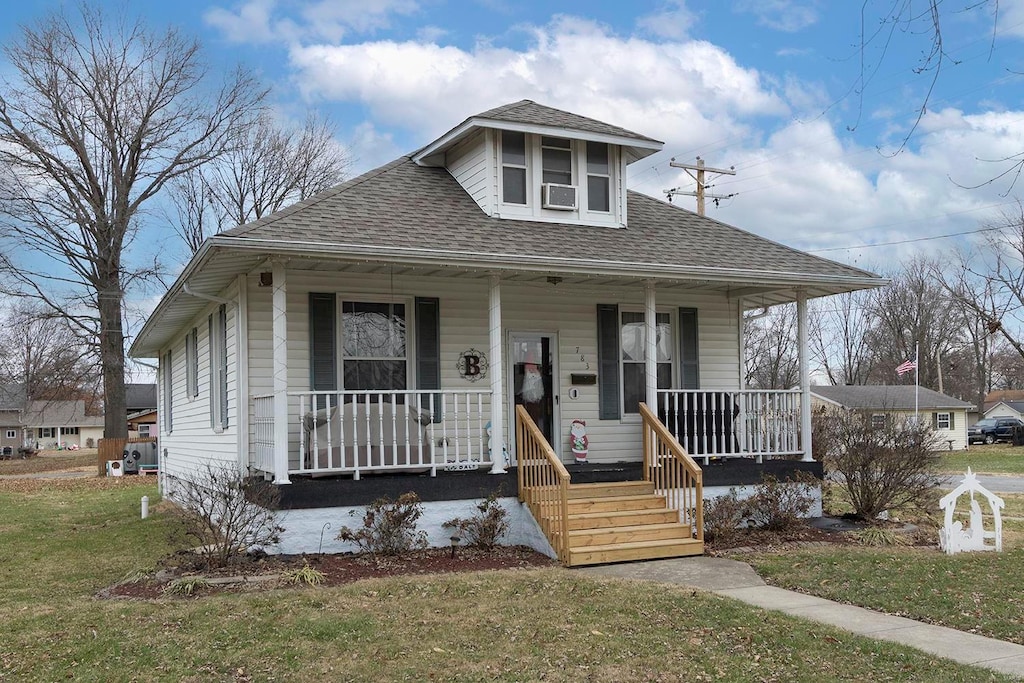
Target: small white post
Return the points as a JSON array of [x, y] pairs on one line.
[[498, 464], [651, 340], [145, 507], [805, 375], [280, 373]]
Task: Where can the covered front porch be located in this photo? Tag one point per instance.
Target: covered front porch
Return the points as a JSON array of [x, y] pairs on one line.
[[458, 415]]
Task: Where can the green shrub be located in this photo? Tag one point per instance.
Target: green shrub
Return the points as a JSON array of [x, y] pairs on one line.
[[389, 527], [485, 529]]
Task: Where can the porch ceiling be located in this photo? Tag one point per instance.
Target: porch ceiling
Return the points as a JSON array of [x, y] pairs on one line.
[[216, 267]]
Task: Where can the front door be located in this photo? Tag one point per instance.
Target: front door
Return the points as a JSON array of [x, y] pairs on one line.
[[533, 380]]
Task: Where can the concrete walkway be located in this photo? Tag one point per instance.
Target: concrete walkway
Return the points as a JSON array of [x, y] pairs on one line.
[[737, 580]]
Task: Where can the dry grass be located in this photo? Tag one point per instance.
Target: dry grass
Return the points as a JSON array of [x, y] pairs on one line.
[[995, 459], [50, 461]]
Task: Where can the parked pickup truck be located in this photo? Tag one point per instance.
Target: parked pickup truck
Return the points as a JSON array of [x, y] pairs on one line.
[[993, 429]]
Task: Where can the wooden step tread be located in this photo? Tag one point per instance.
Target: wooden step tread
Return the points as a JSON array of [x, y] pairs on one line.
[[621, 513], [607, 489], [629, 552], [627, 529], [636, 545]]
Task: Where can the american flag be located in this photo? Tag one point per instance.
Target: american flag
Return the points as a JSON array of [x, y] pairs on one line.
[[906, 367]]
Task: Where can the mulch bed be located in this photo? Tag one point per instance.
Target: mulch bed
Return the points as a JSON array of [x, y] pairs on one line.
[[266, 572]]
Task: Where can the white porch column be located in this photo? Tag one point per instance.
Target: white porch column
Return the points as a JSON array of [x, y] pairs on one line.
[[498, 464], [280, 373], [805, 375], [651, 351]]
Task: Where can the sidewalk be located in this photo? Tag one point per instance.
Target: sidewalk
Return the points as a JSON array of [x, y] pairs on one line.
[[734, 579]]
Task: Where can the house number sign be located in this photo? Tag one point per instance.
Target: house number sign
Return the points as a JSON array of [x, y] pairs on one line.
[[472, 365]]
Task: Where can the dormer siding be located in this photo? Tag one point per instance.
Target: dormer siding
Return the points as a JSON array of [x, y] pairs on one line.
[[470, 163]]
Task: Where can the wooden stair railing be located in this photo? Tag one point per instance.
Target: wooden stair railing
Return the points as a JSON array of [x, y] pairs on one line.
[[543, 483], [673, 472]]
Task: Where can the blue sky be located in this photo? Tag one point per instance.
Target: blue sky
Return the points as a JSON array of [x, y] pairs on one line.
[[767, 86]]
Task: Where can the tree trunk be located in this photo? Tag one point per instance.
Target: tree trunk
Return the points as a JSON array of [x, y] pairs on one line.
[[115, 411]]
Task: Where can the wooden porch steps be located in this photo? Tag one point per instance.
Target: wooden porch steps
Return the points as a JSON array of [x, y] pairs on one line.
[[624, 522]]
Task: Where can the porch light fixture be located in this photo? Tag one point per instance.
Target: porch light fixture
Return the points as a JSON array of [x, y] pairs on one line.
[[266, 279]]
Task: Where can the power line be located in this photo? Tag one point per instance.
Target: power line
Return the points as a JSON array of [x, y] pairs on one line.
[[916, 239]]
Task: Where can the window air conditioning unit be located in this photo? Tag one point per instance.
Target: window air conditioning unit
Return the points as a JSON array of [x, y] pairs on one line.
[[561, 197]]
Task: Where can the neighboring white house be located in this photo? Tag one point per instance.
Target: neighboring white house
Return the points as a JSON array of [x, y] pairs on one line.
[[394, 322], [946, 415], [1006, 409], [61, 424]]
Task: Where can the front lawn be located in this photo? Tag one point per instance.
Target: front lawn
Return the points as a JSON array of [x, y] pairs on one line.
[[994, 459], [61, 541], [49, 461]]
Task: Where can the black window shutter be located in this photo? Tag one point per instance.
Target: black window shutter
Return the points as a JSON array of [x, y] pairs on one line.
[[935, 420], [952, 424], [323, 350], [689, 352], [608, 361], [428, 347]]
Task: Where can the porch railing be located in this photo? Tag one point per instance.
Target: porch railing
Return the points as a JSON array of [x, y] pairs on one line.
[[673, 472], [359, 431], [742, 423], [543, 483]]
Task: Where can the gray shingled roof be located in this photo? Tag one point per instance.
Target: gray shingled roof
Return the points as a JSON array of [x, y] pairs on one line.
[[59, 414], [888, 397], [1015, 405], [404, 205], [140, 397], [529, 112]]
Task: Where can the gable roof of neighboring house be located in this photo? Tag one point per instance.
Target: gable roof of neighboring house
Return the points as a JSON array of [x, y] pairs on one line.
[[887, 397], [415, 216], [1017, 406], [12, 397], [140, 397], [59, 414], [1003, 396]]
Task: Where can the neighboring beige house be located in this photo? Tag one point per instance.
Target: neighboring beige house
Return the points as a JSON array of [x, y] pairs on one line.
[[947, 415], [61, 424]]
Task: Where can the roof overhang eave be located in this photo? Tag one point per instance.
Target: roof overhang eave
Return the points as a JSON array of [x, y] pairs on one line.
[[636, 148]]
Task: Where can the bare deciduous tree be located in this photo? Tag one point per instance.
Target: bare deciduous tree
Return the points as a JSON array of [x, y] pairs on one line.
[[839, 336], [98, 114], [272, 166], [771, 357]]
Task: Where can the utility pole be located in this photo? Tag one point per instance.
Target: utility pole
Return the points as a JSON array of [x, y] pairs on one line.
[[701, 191]]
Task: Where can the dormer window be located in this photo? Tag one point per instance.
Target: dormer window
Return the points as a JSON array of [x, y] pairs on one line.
[[513, 167], [556, 160], [599, 177]]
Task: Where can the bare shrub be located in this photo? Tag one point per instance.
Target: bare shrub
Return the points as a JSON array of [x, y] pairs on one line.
[[781, 505], [227, 514], [389, 527], [723, 516], [485, 529], [881, 466]]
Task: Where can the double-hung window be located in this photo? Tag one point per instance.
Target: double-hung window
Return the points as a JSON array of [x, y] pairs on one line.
[[633, 344], [942, 421], [599, 178], [556, 160], [12, 434], [374, 349], [192, 363], [168, 407], [513, 167], [878, 421]]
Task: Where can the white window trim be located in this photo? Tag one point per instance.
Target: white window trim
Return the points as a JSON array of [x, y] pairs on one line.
[[672, 325], [216, 348], [939, 419], [12, 434], [410, 334], [192, 363], [512, 207], [584, 187], [144, 429], [881, 417]]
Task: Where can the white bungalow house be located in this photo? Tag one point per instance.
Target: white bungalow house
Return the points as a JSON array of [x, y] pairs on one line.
[[440, 322], [946, 415]]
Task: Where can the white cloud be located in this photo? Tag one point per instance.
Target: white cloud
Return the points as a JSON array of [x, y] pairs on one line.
[[672, 20], [782, 15], [691, 89], [264, 21]]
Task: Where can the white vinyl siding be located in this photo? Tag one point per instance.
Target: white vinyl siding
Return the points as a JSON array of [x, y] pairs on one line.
[[467, 162], [564, 310], [193, 442]]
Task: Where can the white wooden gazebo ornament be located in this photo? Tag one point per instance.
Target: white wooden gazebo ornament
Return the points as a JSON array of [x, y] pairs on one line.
[[954, 538]]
